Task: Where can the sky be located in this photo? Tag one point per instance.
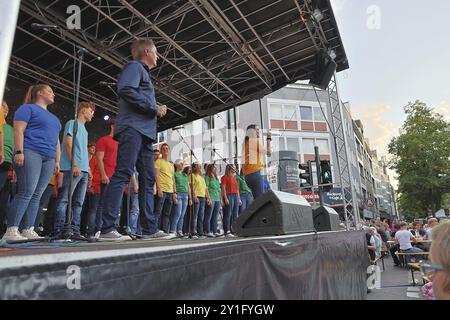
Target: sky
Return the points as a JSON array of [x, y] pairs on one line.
[[398, 51]]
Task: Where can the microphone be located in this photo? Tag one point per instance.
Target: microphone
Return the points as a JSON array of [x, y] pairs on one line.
[[105, 83], [84, 50], [43, 26]]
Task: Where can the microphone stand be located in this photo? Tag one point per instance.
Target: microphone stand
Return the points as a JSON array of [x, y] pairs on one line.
[[192, 184]]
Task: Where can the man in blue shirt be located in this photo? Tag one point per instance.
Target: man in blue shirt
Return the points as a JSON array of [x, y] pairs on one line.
[[136, 132], [80, 170]]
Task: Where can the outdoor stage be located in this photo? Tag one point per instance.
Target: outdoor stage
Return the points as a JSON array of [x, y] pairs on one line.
[[327, 265]]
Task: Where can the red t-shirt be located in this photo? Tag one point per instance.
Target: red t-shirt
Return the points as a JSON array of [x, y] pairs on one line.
[[96, 180], [109, 146], [230, 184]]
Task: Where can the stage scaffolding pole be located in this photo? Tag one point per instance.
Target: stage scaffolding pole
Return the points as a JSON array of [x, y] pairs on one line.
[[342, 156], [9, 11]]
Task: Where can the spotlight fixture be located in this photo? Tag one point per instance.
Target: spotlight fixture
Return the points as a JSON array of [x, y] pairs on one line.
[[317, 14], [106, 118]]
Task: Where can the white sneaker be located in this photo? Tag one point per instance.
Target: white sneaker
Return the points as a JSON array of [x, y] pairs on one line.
[[230, 236], [210, 235], [30, 234], [97, 235], [171, 235], [113, 236], [12, 234], [159, 235]]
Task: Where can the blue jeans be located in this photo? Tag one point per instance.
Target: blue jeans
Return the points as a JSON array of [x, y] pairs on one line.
[[43, 203], [163, 210], [212, 213], [255, 182], [134, 213], [178, 211], [416, 257], [246, 199], [32, 179], [198, 214], [135, 150], [93, 223], [231, 211], [78, 194]]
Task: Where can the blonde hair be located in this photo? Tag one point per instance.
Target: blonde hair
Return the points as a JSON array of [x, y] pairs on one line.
[[138, 47], [31, 95], [85, 105], [440, 248]]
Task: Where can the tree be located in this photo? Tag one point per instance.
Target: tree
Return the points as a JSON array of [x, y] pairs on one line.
[[421, 158]]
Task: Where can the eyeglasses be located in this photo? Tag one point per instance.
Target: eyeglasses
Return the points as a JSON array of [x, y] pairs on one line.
[[429, 270]]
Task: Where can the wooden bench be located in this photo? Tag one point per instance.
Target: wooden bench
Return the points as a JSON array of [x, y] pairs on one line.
[[383, 254], [402, 256], [416, 267]]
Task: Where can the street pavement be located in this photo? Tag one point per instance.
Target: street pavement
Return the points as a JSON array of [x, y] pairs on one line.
[[396, 284]]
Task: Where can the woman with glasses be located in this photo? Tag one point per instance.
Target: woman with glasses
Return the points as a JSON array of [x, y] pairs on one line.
[[438, 270]]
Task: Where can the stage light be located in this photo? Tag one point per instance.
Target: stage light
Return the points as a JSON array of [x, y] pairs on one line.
[[317, 14], [106, 118], [332, 54]]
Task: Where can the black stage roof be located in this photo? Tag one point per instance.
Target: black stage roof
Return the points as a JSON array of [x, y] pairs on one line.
[[214, 54]]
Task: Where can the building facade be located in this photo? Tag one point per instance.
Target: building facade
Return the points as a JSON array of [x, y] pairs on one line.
[[299, 119]]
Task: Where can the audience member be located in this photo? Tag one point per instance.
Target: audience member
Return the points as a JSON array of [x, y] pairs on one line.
[[439, 269]]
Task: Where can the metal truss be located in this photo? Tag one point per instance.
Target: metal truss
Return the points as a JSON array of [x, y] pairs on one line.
[[313, 26], [349, 197], [213, 54], [92, 44], [26, 69]]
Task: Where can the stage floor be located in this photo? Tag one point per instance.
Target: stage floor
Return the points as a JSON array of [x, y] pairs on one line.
[[326, 265]]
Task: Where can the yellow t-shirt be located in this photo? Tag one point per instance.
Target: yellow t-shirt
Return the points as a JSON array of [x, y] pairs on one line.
[[253, 159], [166, 171], [199, 185]]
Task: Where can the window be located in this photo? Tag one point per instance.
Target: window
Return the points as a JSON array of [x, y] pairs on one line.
[[162, 136], [308, 146], [208, 123], [323, 146], [290, 113], [276, 111], [292, 144], [306, 113], [276, 144], [318, 115]]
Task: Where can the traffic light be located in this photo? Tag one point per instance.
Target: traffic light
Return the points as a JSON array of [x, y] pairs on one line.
[[306, 175], [325, 174]]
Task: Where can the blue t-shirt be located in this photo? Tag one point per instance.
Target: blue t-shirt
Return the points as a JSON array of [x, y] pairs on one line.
[[42, 131], [81, 147]]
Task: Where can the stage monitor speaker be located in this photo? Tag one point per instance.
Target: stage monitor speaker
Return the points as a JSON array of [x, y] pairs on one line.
[[325, 69], [326, 219], [275, 213]]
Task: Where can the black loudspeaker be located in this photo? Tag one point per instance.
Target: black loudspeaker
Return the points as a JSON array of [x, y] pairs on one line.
[[326, 219], [325, 69], [275, 213]]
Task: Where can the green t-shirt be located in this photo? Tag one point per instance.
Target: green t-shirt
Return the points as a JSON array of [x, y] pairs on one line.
[[181, 182], [243, 187], [8, 140], [213, 188]]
